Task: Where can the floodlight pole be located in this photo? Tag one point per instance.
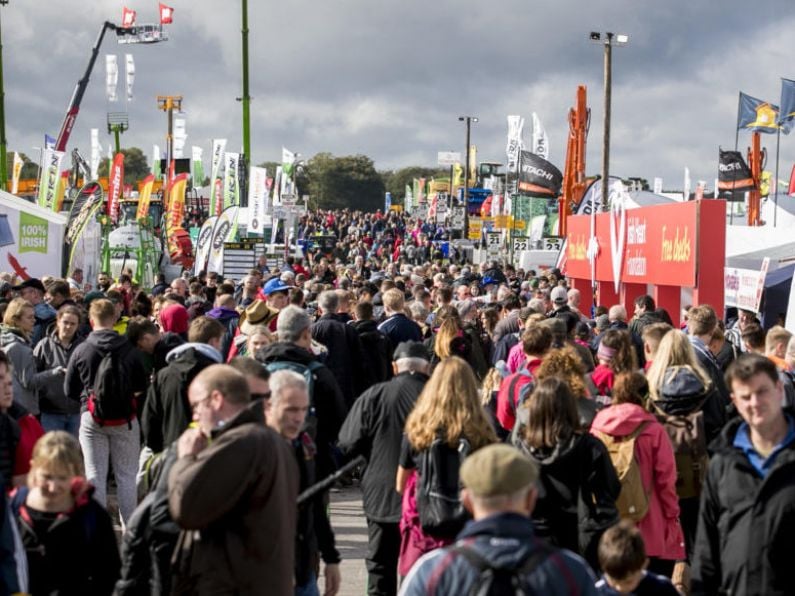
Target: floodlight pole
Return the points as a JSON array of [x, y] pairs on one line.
[[246, 99], [469, 120], [608, 83], [3, 142], [169, 103]]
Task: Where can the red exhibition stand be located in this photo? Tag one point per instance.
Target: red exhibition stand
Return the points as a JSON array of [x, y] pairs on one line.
[[663, 249]]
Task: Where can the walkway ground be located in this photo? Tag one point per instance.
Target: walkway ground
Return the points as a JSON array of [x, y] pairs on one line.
[[350, 529]]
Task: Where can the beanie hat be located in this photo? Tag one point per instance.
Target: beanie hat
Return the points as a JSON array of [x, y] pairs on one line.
[[174, 318]]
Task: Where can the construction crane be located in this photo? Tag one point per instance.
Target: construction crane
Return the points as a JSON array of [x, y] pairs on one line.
[[574, 170], [125, 35]]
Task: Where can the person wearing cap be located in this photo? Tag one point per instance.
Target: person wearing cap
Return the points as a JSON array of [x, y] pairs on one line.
[[224, 312], [374, 429], [746, 520], [33, 291], [277, 296], [500, 491]]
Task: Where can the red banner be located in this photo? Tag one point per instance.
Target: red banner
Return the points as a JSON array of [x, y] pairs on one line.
[[166, 14], [658, 245], [127, 17], [115, 181]]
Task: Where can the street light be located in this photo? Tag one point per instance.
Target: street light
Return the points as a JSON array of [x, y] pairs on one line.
[[3, 157], [609, 40], [469, 120]]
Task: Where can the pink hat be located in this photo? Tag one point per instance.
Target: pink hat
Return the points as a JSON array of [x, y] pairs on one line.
[[174, 318]]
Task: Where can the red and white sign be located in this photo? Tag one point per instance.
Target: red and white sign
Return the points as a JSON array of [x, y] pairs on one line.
[[166, 14], [657, 246], [743, 287], [115, 181], [127, 17]]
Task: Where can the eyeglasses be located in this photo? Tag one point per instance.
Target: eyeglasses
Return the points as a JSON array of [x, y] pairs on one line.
[[258, 396]]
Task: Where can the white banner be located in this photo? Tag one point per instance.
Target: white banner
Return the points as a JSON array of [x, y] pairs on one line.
[[48, 181], [96, 154], [180, 135], [203, 244], [540, 138], [743, 287], [216, 192], [156, 160], [111, 76], [16, 171], [257, 193], [231, 183], [223, 231], [515, 125], [130, 71]]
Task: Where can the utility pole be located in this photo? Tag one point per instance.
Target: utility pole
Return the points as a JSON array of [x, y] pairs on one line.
[[469, 120], [610, 39], [169, 103], [246, 99], [3, 142], [118, 122]]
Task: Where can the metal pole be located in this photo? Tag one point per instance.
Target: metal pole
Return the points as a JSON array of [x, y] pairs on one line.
[[606, 140], [775, 197], [3, 156], [116, 135], [246, 98], [466, 180]]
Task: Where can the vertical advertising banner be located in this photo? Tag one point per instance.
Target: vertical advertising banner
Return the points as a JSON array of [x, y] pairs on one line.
[[257, 193], [216, 190], [115, 181], [48, 182], [231, 182], [145, 196], [16, 171], [176, 212]]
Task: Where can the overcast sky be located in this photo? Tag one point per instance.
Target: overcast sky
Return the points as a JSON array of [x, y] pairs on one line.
[[389, 78]]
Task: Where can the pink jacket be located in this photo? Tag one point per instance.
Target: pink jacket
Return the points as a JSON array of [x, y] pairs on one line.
[[660, 529]]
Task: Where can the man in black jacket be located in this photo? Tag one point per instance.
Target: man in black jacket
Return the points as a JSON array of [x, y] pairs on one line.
[[346, 358], [294, 345], [377, 347], [166, 412], [374, 428], [747, 521]]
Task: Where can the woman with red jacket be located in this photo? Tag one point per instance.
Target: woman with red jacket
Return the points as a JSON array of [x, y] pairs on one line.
[[615, 355], [660, 528]]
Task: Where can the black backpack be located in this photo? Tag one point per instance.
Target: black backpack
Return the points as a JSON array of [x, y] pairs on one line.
[[438, 488], [111, 401], [496, 580]]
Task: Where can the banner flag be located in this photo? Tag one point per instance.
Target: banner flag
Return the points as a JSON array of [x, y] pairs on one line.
[[224, 231], [458, 175], [277, 184], [216, 189], [115, 181], [786, 115], [16, 171], [257, 193], [84, 209], [166, 14], [180, 136], [734, 175], [288, 159], [48, 179], [538, 177], [515, 126], [60, 193], [49, 142], [420, 193], [127, 17], [96, 154], [156, 161], [144, 197], [540, 138], [203, 244], [198, 168], [408, 199], [231, 182], [111, 76], [755, 115], [175, 215], [129, 64], [473, 165]]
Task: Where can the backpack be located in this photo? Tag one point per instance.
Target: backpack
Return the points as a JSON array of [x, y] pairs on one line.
[[496, 580], [633, 501], [689, 441], [515, 389], [111, 401], [309, 372], [438, 488]]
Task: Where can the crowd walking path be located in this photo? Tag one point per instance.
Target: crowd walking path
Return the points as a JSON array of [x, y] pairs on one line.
[[350, 529]]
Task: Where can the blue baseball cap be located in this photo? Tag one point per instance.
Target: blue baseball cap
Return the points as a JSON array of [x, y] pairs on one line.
[[275, 285]]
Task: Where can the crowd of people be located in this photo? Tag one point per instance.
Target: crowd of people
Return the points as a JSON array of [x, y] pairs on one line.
[[515, 440]]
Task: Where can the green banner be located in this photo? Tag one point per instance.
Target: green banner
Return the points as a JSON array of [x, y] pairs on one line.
[[32, 233]]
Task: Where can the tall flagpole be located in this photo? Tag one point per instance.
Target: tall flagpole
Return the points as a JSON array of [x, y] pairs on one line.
[[736, 145]]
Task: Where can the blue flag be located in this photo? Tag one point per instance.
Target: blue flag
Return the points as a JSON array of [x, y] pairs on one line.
[[49, 142], [786, 116], [755, 115]]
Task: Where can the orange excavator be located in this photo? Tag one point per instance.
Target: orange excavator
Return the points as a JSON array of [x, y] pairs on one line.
[[756, 156], [574, 182]]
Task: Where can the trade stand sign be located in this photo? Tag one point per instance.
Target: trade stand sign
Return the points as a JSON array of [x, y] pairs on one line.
[[653, 245]]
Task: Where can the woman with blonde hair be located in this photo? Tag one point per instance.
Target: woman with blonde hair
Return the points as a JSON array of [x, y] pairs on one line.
[[446, 424], [451, 339], [67, 535], [674, 349]]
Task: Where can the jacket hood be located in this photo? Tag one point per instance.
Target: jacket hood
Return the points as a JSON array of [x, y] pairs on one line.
[[682, 391], [204, 349], [545, 455], [282, 350], [106, 340], [621, 420], [223, 314], [11, 335], [364, 326]]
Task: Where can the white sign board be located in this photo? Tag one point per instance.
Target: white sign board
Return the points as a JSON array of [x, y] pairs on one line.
[[521, 243], [743, 287], [458, 218], [448, 158], [493, 242], [553, 243]]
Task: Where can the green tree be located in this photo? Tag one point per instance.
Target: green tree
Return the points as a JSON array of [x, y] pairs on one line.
[[136, 167], [342, 182], [395, 181]]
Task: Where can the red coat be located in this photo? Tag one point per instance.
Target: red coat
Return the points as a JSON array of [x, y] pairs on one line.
[[660, 529]]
